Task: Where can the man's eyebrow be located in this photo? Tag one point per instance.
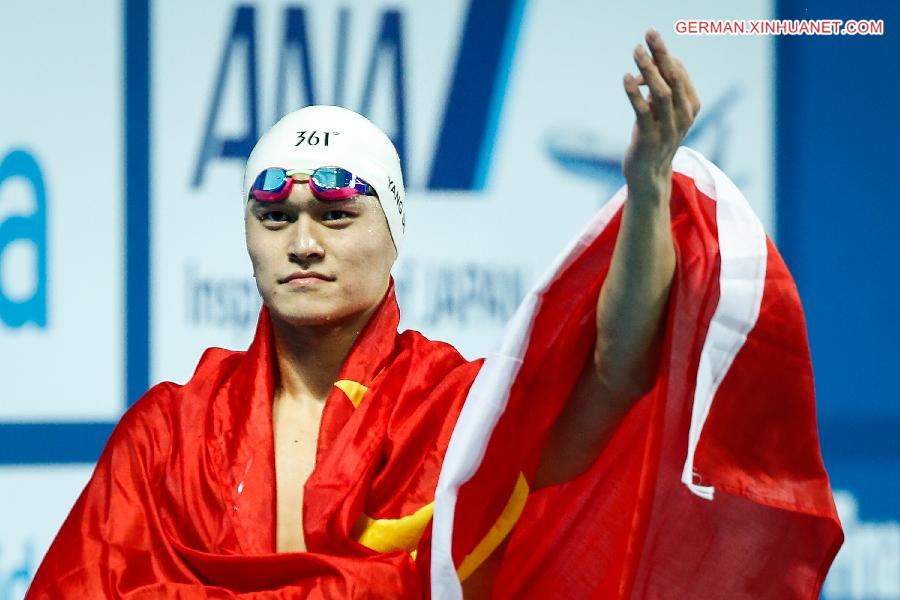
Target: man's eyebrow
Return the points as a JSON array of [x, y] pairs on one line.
[[262, 204], [340, 202], [307, 204]]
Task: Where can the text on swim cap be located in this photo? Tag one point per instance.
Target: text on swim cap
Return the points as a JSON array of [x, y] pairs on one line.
[[313, 138], [393, 187]]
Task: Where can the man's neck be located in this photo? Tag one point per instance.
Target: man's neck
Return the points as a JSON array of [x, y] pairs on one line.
[[310, 357]]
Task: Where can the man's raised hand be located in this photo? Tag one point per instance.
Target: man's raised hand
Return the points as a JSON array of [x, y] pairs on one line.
[[661, 120]]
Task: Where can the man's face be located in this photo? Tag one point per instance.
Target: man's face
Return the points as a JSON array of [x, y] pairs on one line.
[[346, 242]]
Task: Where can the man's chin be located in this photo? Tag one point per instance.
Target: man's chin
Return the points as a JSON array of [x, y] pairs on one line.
[[311, 320], [309, 316]]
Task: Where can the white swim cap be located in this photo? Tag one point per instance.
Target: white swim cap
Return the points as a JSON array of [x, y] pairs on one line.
[[331, 136]]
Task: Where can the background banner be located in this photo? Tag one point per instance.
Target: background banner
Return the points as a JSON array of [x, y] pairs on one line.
[[124, 126]]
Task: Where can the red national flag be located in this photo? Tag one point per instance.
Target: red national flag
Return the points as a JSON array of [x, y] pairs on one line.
[[712, 487]]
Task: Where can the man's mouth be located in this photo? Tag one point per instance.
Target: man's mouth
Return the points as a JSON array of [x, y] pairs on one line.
[[305, 277]]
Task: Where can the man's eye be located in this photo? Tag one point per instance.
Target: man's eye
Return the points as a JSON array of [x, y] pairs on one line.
[[335, 215], [277, 216]]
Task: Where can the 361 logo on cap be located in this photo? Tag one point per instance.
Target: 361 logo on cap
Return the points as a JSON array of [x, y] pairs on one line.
[[313, 138]]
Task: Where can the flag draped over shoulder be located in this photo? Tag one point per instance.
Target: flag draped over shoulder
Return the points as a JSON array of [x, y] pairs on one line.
[[712, 487], [181, 503]]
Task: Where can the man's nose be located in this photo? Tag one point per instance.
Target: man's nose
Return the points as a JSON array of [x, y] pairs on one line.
[[306, 245]]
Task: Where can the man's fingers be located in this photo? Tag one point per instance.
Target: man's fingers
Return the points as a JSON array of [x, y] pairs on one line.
[[661, 55], [642, 112], [673, 71], [688, 87], [673, 76], [659, 89]]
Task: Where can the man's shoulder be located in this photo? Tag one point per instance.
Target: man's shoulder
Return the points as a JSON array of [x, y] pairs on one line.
[[446, 353], [215, 365], [166, 397], [438, 362]]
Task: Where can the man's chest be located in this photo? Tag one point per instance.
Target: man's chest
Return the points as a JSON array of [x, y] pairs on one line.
[[296, 432]]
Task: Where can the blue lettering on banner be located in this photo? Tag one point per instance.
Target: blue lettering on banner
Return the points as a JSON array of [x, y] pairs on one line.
[[31, 228], [296, 46], [340, 57], [242, 36], [389, 41], [473, 106], [233, 303], [466, 292], [296, 41]]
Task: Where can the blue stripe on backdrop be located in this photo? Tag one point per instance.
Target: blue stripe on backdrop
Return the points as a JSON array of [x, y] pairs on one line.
[[858, 441], [837, 208], [52, 443], [837, 214], [136, 197], [81, 442]]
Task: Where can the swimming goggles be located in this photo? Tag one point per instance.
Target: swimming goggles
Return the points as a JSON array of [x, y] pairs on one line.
[[326, 183]]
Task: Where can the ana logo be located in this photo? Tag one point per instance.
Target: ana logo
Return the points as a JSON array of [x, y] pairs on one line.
[[468, 127]]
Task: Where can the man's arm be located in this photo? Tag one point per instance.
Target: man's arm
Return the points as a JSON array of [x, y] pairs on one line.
[[633, 300], [632, 303]]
